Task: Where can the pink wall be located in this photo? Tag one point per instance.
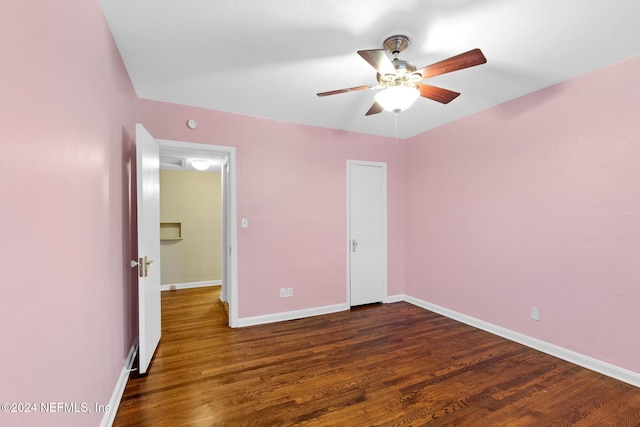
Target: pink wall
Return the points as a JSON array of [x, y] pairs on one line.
[[67, 112], [291, 185], [531, 203], [536, 203]]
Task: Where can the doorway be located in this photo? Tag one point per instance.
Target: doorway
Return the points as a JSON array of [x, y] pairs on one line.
[[367, 232], [227, 162]]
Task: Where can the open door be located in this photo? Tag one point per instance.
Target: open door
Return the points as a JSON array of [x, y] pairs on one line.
[[148, 184], [230, 234]]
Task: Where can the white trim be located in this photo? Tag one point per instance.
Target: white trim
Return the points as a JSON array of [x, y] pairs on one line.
[[384, 222], [395, 298], [116, 397], [232, 291], [189, 285], [291, 315], [596, 365]]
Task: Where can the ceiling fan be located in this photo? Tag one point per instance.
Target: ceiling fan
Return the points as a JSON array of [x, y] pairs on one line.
[[400, 82]]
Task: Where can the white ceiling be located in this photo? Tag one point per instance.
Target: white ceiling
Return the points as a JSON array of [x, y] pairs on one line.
[[269, 58]]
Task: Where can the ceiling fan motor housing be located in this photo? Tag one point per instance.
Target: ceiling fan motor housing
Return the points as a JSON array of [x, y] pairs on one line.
[[404, 70], [405, 74]]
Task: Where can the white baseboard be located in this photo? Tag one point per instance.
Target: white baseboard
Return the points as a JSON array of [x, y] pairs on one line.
[[114, 403], [189, 285], [596, 365], [395, 298], [291, 315], [300, 314]]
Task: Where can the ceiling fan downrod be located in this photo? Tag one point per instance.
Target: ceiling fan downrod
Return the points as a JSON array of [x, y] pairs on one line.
[[396, 44]]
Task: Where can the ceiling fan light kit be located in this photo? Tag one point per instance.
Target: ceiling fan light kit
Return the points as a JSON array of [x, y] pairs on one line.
[[400, 83], [397, 98]]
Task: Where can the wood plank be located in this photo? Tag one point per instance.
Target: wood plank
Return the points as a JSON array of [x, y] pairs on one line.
[[386, 364]]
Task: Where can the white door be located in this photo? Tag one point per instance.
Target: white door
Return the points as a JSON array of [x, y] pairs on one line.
[[367, 229], [148, 181]]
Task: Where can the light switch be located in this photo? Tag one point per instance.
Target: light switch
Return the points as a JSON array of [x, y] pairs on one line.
[[245, 223]]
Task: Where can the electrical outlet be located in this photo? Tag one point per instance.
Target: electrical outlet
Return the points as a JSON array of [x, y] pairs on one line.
[[535, 313], [289, 292], [283, 292]]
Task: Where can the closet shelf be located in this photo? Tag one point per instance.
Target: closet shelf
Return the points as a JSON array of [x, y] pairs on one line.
[[170, 231]]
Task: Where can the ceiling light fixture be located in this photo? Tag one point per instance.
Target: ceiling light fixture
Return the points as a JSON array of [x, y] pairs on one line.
[[397, 98], [200, 164]]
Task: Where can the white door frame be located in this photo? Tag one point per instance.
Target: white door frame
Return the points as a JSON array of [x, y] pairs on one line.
[[226, 216], [384, 223], [232, 288]]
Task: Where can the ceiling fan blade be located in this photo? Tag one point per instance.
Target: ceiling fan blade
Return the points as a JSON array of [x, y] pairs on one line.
[[351, 89], [379, 60], [464, 60], [375, 109], [439, 94]]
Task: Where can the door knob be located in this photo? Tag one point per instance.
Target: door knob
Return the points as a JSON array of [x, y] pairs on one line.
[[143, 266], [147, 264]]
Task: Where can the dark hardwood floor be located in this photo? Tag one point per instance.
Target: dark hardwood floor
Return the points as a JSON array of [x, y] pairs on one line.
[[383, 365]]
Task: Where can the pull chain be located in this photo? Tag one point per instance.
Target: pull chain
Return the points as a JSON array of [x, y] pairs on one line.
[[396, 126]]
